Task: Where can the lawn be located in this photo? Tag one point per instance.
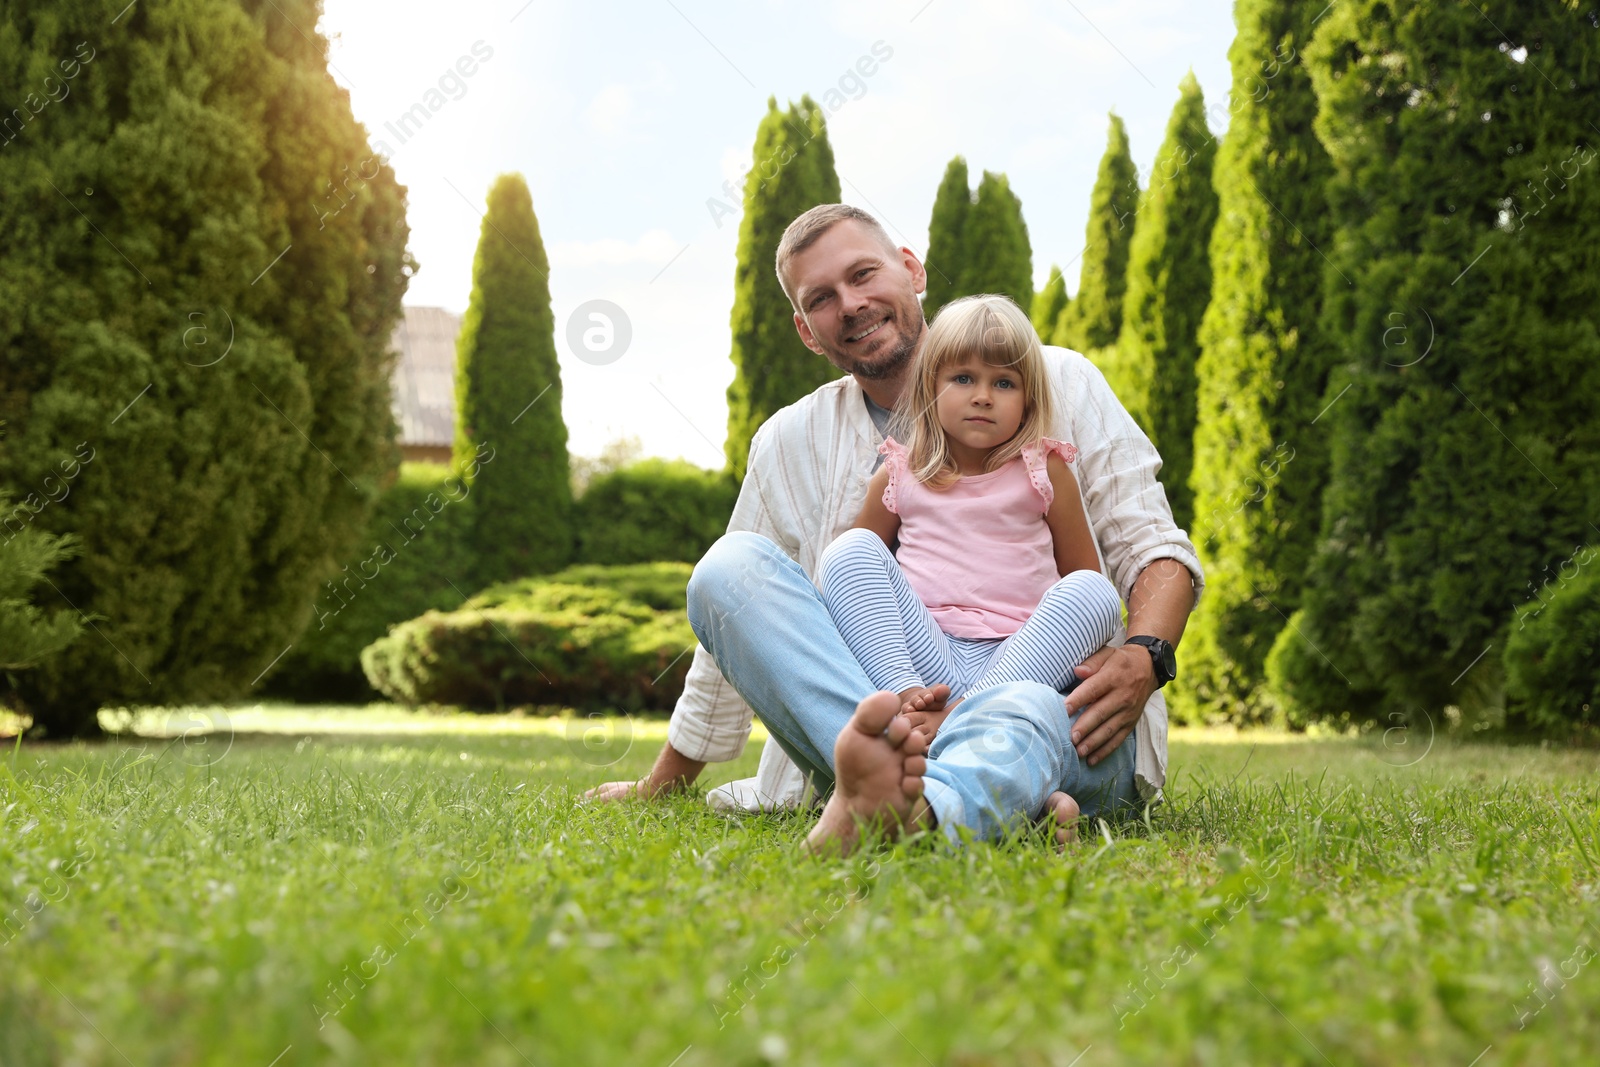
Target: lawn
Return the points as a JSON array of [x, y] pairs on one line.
[[374, 886]]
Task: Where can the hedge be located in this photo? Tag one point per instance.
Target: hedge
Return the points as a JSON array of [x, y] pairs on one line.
[[654, 509], [414, 548], [597, 638]]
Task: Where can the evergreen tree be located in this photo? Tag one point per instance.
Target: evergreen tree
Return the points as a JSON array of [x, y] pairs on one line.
[[999, 258], [202, 265], [1168, 290], [793, 172], [947, 240], [1259, 451], [1169, 286], [1094, 317], [28, 634], [508, 399], [1048, 304], [1466, 463]]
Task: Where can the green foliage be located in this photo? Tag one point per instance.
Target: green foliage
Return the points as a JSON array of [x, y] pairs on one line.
[[793, 172], [1048, 304], [1552, 657], [1094, 317], [415, 557], [947, 232], [590, 645], [1467, 198], [1169, 286], [999, 257], [1259, 462], [654, 509], [185, 300], [508, 398], [29, 634], [977, 242], [662, 586]]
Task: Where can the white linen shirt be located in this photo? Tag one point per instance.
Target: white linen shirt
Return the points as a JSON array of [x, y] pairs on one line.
[[806, 481]]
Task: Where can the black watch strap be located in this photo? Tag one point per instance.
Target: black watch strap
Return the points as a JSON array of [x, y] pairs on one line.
[[1162, 657]]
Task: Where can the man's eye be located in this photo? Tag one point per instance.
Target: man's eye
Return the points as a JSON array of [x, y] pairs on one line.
[[818, 302]]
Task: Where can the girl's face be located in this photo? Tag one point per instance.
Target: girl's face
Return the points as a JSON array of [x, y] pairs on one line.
[[980, 406]]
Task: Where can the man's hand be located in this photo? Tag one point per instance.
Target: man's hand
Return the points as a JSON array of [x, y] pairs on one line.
[[1116, 683], [673, 772], [617, 791]]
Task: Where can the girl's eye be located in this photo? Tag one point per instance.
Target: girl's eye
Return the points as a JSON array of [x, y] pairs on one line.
[[961, 379], [1005, 383]]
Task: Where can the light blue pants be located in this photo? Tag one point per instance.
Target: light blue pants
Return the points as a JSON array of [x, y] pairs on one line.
[[897, 641], [992, 766]]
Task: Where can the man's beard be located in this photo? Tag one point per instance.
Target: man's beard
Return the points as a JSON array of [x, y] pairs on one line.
[[883, 364]]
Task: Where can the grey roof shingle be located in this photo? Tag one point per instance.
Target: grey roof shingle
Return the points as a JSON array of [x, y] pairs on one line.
[[424, 391]]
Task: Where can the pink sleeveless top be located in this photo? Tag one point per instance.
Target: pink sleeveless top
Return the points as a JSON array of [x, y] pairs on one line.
[[979, 554]]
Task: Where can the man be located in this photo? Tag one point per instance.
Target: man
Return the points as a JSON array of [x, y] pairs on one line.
[[766, 637]]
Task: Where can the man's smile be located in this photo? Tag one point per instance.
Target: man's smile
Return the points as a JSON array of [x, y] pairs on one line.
[[869, 331]]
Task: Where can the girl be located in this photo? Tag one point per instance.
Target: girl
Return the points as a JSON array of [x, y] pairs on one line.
[[997, 577]]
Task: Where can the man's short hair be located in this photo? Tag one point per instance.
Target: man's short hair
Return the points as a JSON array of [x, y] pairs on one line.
[[806, 230]]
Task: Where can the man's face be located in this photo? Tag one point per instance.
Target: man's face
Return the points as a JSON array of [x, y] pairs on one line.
[[858, 301]]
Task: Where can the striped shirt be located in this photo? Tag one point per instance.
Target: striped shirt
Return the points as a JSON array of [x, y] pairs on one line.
[[807, 479]]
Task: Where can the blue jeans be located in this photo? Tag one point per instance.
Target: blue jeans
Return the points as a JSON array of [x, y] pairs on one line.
[[994, 762]]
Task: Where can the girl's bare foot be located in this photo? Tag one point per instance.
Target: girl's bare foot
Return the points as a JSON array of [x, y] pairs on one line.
[[926, 708], [1061, 813], [878, 766]]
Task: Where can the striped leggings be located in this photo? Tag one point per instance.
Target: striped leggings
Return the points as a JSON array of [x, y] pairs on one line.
[[897, 642]]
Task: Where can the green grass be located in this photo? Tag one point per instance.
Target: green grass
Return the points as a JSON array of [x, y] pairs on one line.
[[372, 886]]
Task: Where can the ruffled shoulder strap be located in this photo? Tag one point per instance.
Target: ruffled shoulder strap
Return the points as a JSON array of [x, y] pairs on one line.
[[1038, 473], [898, 464]]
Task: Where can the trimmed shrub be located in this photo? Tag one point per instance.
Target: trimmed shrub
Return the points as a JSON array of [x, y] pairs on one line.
[[1552, 656], [415, 547], [597, 645], [655, 509]]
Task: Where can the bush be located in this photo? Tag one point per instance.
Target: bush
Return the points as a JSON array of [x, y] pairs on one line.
[[28, 634], [1552, 657], [414, 548], [616, 641], [655, 509]]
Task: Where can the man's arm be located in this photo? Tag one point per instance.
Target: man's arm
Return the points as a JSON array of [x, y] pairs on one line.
[[1152, 563], [1118, 681]]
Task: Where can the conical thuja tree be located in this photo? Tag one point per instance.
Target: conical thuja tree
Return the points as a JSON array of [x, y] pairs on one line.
[[511, 442], [1094, 317], [1260, 451], [1466, 462], [792, 173], [1048, 304], [947, 239], [1169, 286], [202, 264], [998, 255]]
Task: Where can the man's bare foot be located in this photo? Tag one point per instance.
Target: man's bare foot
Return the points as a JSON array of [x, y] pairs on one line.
[[1061, 813], [878, 766]]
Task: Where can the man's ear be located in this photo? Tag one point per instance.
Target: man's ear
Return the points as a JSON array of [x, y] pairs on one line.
[[804, 330], [919, 274]]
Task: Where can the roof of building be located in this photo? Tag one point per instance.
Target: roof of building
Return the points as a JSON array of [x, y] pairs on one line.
[[424, 387]]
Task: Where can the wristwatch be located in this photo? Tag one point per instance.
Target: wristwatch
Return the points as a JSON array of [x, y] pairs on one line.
[[1161, 656]]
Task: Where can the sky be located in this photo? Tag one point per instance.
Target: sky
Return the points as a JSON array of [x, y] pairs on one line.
[[632, 121]]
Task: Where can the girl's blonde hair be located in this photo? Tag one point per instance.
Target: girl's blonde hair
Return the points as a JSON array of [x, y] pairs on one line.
[[996, 330]]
